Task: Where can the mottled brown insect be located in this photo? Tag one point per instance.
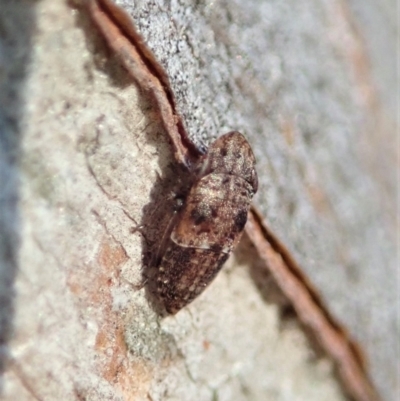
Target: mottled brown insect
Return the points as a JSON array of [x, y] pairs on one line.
[[210, 223]]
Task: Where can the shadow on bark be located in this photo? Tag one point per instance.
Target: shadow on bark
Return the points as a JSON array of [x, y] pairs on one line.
[[17, 24]]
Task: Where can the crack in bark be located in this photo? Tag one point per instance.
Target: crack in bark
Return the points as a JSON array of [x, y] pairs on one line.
[[26, 383], [104, 225]]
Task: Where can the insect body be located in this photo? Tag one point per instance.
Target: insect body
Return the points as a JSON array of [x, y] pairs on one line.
[[210, 222]]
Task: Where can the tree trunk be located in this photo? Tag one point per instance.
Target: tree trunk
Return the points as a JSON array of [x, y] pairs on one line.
[[85, 162]]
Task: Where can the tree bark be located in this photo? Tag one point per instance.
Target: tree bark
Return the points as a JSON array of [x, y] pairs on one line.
[[85, 160]]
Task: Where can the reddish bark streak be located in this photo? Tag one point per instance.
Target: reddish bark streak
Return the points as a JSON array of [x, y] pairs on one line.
[[308, 305], [116, 27]]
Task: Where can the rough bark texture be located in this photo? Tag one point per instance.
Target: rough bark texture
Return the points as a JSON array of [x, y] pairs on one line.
[[84, 160]]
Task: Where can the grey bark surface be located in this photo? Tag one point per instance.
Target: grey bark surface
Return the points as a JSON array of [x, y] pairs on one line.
[[83, 157]]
